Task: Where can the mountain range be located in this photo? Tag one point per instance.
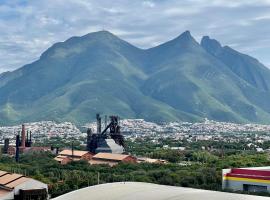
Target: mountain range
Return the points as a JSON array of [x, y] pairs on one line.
[[180, 80]]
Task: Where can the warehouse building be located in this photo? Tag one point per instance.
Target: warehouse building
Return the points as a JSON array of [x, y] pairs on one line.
[[255, 179], [19, 187], [68, 155], [149, 191], [111, 159]]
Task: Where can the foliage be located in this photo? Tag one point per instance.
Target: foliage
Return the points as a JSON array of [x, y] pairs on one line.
[[204, 172]]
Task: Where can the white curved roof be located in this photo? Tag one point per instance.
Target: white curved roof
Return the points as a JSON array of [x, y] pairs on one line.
[[148, 191]]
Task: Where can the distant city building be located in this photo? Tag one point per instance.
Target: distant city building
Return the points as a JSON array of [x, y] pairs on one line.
[[178, 148], [255, 179], [151, 160], [17, 186]]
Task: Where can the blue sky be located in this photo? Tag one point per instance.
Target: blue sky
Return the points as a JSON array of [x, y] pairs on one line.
[[29, 27]]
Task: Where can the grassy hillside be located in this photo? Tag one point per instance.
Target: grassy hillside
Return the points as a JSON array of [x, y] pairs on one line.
[[99, 72]]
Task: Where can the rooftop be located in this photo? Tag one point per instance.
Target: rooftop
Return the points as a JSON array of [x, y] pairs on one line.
[[137, 190], [75, 152], [16, 182], [110, 156], [8, 178], [10, 181], [3, 173]]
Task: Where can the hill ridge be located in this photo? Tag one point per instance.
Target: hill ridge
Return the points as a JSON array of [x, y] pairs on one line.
[[178, 80]]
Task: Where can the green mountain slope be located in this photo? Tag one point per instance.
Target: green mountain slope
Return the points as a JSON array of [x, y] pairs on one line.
[[99, 72]]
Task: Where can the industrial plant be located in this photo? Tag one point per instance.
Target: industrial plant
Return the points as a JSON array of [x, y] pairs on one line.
[[23, 145], [103, 147], [109, 140]]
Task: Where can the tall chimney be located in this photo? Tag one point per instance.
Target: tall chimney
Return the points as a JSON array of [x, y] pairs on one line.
[[17, 148], [105, 121], [23, 136], [98, 123], [6, 145], [30, 141], [27, 140]]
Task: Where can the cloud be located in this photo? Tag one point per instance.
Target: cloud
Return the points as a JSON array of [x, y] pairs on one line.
[[28, 28], [149, 4]]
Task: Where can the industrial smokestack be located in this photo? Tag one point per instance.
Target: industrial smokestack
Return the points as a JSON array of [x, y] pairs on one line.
[[98, 123], [17, 148], [27, 139], [105, 121], [6, 145], [30, 141], [23, 136], [89, 137]]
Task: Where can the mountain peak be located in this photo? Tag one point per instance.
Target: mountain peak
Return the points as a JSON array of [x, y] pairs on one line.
[[184, 39], [177, 80], [185, 36], [211, 45], [101, 34]]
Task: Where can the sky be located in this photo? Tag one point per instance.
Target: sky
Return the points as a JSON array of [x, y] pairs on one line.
[[29, 27]]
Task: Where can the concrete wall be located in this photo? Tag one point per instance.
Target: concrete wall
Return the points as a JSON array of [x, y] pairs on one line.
[[8, 196], [238, 185]]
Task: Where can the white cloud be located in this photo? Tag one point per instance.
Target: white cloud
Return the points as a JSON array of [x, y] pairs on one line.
[[29, 28], [149, 4]]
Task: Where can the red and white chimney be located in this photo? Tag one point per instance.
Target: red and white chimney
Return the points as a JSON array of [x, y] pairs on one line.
[[23, 136]]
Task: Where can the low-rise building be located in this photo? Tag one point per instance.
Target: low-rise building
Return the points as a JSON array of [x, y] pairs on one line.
[[255, 179], [63, 160], [68, 155], [111, 159], [151, 160], [17, 186]]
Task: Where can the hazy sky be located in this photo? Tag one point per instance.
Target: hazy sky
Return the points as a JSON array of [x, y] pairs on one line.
[[29, 27]]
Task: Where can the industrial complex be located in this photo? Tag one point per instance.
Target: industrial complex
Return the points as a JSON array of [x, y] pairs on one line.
[[107, 147], [23, 144], [110, 140]]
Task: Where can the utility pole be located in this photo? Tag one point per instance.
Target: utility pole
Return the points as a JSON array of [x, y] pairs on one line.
[[98, 178], [72, 149]]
